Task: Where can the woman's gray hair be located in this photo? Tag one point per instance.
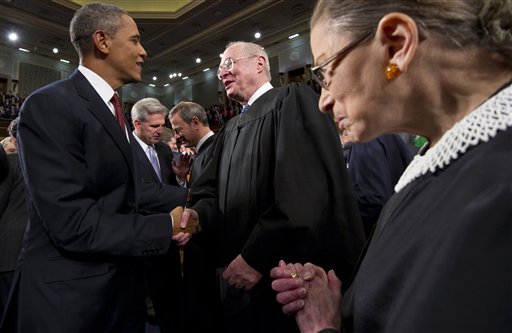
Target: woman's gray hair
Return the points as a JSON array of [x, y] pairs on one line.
[[92, 17], [482, 23]]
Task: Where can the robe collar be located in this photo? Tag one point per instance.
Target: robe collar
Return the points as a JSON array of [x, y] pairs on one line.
[[479, 126]]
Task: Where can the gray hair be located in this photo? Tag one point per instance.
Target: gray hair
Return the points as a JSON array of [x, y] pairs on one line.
[[147, 106], [92, 17], [483, 23], [253, 49], [188, 110]]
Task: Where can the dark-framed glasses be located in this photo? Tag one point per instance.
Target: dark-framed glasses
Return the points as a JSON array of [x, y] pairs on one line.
[[318, 71], [227, 65]]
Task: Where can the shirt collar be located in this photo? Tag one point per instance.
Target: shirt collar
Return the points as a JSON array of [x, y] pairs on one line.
[[261, 90], [203, 139], [142, 143], [98, 83]]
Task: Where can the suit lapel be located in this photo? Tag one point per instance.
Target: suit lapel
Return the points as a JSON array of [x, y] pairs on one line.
[[99, 109], [145, 163]]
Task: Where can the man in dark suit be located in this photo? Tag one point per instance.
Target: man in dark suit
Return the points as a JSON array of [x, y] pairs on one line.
[[374, 168], [13, 217], [201, 304], [81, 267], [148, 118], [163, 273]]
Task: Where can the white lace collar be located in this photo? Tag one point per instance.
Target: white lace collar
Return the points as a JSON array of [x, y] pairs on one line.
[[481, 125]]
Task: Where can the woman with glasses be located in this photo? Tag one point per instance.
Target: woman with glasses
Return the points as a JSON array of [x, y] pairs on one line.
[[439, 257]]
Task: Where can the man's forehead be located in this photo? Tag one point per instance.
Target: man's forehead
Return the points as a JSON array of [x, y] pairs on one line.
[[231, 52]]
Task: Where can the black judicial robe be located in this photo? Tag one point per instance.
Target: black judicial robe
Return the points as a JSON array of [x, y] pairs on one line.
[[282, 188], [440, 259]]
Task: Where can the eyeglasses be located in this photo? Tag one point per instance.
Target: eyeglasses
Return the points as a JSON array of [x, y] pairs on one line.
[[318, 71], [228, 65]]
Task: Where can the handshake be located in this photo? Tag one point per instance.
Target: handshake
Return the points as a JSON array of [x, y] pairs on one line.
[[192, 225]]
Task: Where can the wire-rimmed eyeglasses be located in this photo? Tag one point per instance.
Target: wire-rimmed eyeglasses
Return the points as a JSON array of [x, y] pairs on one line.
[[318, 71], [228, 65]]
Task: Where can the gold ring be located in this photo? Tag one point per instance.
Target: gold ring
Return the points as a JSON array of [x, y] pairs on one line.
[[294, 274]]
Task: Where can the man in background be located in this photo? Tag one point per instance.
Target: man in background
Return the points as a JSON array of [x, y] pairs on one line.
[[202, 305], [148, 118], [154, 158]]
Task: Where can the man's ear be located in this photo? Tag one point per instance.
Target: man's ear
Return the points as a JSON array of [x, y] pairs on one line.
[[261, 63], [400, 36], [101, 40]]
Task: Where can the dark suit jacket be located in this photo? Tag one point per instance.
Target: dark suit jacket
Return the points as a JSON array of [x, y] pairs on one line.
[[165, 156], [163, 273], [79, 270], [13, 214], [374, 168]]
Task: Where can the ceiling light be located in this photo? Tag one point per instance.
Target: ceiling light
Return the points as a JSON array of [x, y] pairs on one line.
[[24, 50], [152, 85], [13, 36], [154, 78], [55, 50], [64, 60], [184, 78], [165, 85], [198, 60], [293, 36], [257, 30], [206, 69], [179, 74]]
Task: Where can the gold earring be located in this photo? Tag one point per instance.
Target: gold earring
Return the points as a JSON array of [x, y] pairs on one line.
[[392, 71]]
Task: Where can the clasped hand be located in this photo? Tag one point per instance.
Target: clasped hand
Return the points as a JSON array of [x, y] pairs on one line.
[[185, 225], [310, 293]]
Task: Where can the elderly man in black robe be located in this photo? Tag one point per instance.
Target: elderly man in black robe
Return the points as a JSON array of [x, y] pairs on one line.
[[276, 187]]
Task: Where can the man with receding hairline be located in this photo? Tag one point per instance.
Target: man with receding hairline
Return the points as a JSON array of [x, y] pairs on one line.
[[276, 194]]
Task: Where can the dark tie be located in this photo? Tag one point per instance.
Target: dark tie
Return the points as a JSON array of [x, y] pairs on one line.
[[118, 110], [245, 107]]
